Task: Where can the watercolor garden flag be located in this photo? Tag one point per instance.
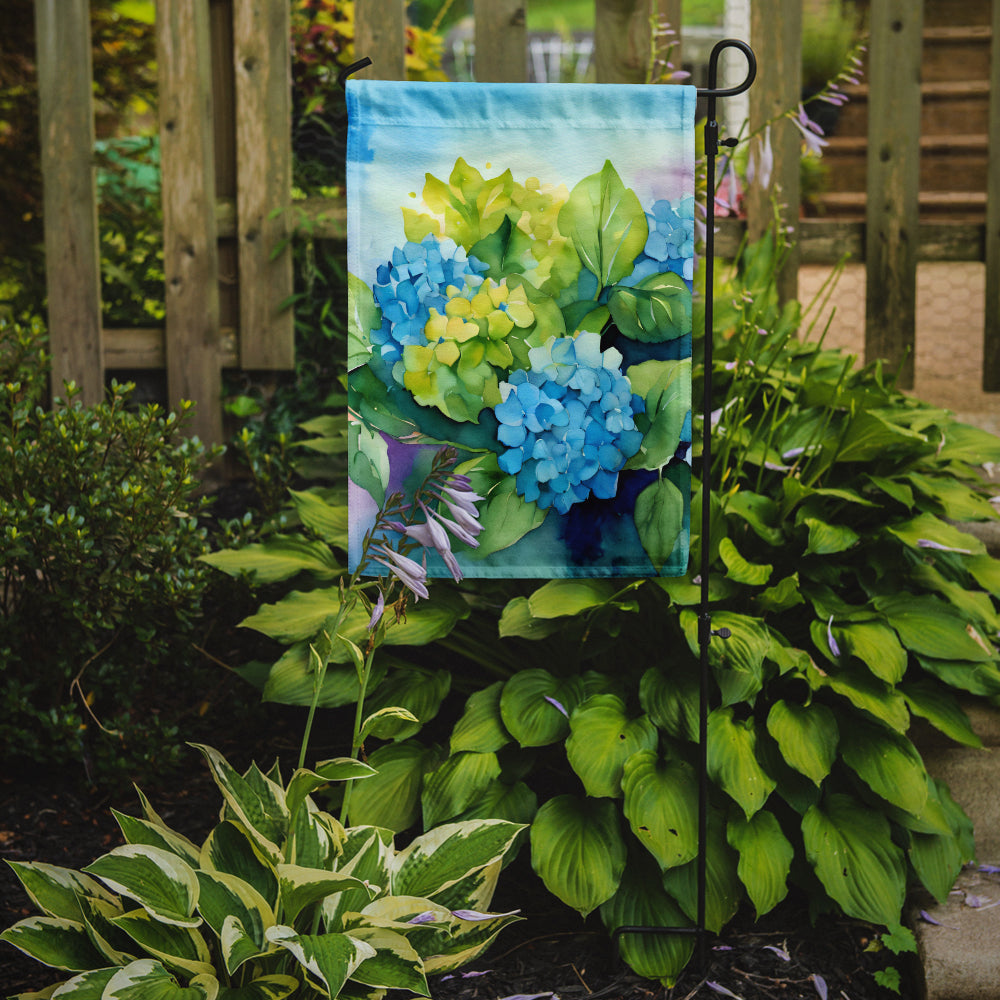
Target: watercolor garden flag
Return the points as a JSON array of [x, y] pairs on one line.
[[520, 261]]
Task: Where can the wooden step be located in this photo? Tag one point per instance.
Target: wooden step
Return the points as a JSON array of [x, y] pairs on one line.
[[957, 206], [945, 12], [956, 53]]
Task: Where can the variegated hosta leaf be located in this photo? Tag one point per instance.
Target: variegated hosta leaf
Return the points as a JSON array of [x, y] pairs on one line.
[[328, 959], [602, 737], [850, 847], [256, 801], [661, 800], [225, 897], [732, 760], [395, 964], [367, 854], [807, 736], [475, 891], [441, 857], [274, 987], [467, 941], [116, 947], [315, 838], [177, 947], [149, 980], [301, 887], [56, 891], [456, 784], [158, 880], [141, 831], [304, 782], [642, 902], [481, 727], [54, 941], [578, 851], [765, 858], [230, 849], [86, 986]]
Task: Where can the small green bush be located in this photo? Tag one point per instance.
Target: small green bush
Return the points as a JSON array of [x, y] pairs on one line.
[[99, 579]]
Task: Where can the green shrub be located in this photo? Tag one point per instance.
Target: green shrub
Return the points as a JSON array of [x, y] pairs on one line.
[[101, 587]]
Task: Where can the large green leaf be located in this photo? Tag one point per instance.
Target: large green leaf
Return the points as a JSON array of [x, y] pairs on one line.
[[850, 848], [606, 223], [225, 897], [926, 528], [738, 661], [807, 736], [936, 704], [602, 737], [56, 891], [641, 901], [143, 831], [327, 520], [301, 887], [932, 628], [578, 851], [517, 620], [163, 884], [866, 692], [659, 518], [888, 763], [55, 941], [937, 859], [280, 557], [395, 964], [559, 598], [739, 569], [661, 799], [147, 979], [876, 646], [671, 700], [391, 798], [417, 689], [230, 849], [535, 706], [828, 539], [976, 678], [329, 958], [456, 784], [655, 309], [765, 858], [732, 760], [86, 986], [481, 728]]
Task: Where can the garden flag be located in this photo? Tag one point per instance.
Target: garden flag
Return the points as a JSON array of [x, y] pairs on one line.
[[521, 261]]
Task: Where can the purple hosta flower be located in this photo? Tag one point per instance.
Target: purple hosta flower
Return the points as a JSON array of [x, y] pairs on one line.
[[719, 988], [812, 134], [557, 704], [427, 917], [670, 244], [476, 915], [413, 282], [760, 164], [782, 953], [820, 985], [567, 423], [377, 611], [411, 574], [928, 543], [831, 642], [727, 198]]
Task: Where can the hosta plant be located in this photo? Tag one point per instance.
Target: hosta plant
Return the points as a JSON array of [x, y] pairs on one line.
[[279, 900]]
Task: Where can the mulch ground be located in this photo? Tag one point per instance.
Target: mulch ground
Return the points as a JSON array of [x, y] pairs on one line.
[[551, 952]]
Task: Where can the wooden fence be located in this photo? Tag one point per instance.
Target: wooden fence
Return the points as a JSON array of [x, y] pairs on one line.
[[226, 161]]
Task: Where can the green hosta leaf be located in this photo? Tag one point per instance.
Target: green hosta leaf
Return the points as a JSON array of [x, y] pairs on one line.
[[965, 443], [738, 661], [274, 987], [391, 798], [230, 849], [147, 979], [671, 700], [417, 690], [655, 309], [932, 628], [601, 739], [330, 959], [292, 680], [783, 595], [937, 859], [976, 678], [395, 964], [181, 948], [385, 723], [517, 620], [261, 809], [850, 847], [828, 539], [225, 897], [142, 831], [956, 500], [456, 784], [559, 598], [760, 512], [481, 727], [723, 889], [578, 851], [54, 941], [732, 760], [876, 646], [888, 763], [807, 736], [440, 858], [738, 569], [164, 885], [528, 709], [659, 518], [928, 528], [865, 692], [56, 891], [279, 558], [986, 572], [641, 901], [936, 704], [516, 803], [328, 520], [870, 435], [765, 858], [661, 798], [301, 887], [606, 223]]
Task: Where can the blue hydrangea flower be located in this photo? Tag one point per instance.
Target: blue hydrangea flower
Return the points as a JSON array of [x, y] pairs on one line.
[[670, 246], [567, 423], [415, 281]]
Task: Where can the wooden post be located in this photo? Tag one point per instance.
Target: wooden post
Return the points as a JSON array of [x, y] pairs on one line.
[[72, 256], [991, 333], [776, 35], [501, 41], [261, 41], [190, 254], [380, 34], [622, 40], [667, 13], [893, 183]]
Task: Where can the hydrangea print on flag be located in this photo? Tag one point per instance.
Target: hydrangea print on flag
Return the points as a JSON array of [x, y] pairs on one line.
[[521, 259]]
